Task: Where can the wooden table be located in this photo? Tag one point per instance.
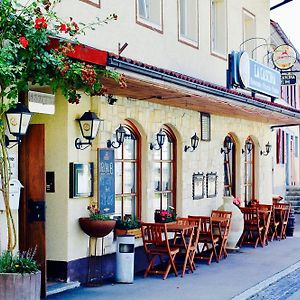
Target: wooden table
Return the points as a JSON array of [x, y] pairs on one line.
[[185, 232]]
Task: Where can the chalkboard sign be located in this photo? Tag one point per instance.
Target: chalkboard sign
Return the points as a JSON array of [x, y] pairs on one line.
[[106, 180]]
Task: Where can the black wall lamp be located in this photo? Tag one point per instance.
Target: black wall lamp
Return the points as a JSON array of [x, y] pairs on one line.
[[111, 99], [160, 139], [228, 143], [194, 144], [268, 149], [120, 136], [17, 119], [89, 126], [248, 146]]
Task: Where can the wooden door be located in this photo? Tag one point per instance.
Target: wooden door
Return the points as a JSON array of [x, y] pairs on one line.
[[32, 202]]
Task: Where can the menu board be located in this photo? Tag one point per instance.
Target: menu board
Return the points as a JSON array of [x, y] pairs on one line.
[[106, 180]]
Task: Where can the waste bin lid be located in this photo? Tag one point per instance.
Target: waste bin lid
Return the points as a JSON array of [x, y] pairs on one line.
[[126, 239]]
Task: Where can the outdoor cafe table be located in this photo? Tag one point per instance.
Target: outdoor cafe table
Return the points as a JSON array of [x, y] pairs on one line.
[[185, 232]]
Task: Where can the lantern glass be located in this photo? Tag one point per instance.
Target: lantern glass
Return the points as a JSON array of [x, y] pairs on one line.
[[160, 136], [89, 125], [228, 143], [18, 120], [268, 147], [249, 146], [120, 134], [194, 141]]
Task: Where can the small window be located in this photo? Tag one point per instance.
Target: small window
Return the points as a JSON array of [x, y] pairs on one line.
[[219, 27], [95, 3], [249, 33], [188, 21], [296, 146], [149, 12]]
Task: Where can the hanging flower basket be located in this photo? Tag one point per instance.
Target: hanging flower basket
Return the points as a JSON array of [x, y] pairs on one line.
[[96, 228]]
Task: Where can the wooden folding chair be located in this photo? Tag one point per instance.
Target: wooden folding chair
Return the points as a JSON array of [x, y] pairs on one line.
[[282, 212], [188, 246], [207, 239], [156, 244], [252, 233], [223, 224], [274, 225], [265, 213]]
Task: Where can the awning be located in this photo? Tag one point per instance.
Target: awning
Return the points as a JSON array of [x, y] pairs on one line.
[[149, 83]]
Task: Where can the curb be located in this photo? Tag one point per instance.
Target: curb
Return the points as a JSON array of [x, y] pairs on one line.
[[267, 282]]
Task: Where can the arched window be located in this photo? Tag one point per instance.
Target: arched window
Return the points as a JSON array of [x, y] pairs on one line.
[[249, 150], [128, 174], [229, 166], [165, 172]]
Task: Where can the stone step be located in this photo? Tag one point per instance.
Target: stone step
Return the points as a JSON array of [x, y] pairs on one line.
[[292, 198], [58, 287], [293, 188], [293, 193]]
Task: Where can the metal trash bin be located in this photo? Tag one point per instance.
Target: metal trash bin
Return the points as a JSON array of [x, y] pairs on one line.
[[125, 259], [291, 224]]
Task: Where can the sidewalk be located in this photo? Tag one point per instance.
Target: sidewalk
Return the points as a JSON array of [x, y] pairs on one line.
[[236, 277]]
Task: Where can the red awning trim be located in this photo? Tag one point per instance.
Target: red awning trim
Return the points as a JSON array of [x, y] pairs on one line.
[[83, 53]]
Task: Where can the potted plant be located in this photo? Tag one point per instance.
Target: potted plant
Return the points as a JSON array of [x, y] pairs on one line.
[[97, 224], [165, 215], [20, 277], [129, 226]]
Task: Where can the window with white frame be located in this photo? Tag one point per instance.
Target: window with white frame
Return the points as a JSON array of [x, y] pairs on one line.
[[188, 21], [150, 12], [218, 27], [249, 33]]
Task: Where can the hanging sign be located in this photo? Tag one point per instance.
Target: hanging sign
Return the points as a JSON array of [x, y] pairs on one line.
[[106, 180], [284, 57], [288, 79], [251, 75]]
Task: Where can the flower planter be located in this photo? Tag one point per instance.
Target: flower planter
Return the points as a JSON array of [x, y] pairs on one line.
[[96, 228], [15, 286], [136, 232], [158, 218]]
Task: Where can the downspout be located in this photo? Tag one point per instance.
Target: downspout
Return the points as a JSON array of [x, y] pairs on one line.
[[280, 4]]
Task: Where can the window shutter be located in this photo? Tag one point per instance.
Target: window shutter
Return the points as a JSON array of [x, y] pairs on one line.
[[278, 136]]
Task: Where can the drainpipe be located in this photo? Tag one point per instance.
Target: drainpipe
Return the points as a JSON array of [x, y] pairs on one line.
[[280, 4]]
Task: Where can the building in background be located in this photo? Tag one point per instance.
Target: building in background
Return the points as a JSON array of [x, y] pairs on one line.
[[286, 138]]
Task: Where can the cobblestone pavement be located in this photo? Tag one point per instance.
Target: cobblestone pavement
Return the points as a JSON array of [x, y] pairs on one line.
[[282, 289], [289, 286]]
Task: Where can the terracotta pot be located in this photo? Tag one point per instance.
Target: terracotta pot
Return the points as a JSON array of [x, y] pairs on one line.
[[237, 222], [14, 286], [136, 232], [95, 228]]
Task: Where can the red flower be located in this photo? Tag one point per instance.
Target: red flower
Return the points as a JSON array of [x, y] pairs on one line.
[[23, 41], [40, 23], [63, 28]]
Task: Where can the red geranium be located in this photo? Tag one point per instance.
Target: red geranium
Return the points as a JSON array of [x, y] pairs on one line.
[[40, 23], [63, 28], [23, 41]]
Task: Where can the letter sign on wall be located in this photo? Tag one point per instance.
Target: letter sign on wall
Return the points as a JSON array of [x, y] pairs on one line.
[[106, 180]]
